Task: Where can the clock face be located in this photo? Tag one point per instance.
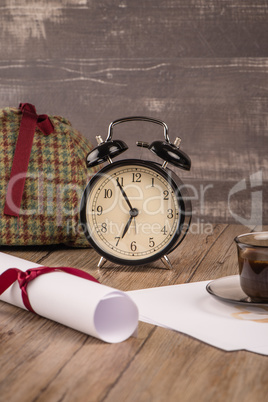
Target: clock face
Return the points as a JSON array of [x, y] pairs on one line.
[[132, 212]]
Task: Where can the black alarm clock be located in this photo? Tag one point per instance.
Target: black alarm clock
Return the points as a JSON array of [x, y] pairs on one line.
[[133, 211]]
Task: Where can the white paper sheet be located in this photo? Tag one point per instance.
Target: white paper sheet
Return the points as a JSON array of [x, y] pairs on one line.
[[188, 308], [89, 307]]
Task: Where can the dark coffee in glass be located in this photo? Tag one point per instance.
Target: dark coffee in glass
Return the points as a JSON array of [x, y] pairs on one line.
[[252, 251]]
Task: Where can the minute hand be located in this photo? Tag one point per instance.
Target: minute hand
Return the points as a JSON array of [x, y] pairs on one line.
[[124, 195]]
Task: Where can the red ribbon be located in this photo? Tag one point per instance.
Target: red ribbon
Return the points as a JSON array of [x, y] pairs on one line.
[[12, 275], [22, 154]]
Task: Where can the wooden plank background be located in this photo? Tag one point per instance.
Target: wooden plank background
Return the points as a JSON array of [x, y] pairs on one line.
[[201, 66]]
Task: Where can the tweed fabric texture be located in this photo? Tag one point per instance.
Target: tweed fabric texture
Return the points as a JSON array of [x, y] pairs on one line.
[[56, 177]]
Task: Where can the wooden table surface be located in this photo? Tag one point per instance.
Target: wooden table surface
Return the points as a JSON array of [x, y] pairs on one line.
[[41, 360]]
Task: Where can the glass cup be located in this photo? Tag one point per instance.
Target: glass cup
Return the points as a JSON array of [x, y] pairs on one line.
[[252, 251]]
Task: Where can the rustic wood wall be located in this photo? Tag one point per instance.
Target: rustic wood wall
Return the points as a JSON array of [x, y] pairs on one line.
[[199, 65]]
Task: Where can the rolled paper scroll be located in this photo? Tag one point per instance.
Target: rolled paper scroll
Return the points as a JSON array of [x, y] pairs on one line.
[[84, 305]]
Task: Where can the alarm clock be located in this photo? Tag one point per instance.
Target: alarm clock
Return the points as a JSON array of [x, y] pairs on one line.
[[134, 211]]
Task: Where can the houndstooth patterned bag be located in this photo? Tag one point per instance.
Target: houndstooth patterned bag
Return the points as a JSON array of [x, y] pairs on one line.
[[42, 177]]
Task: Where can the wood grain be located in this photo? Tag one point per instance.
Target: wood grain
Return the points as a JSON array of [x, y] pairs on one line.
[[42, 360], [218, 107], [144, 28], [201, 66]]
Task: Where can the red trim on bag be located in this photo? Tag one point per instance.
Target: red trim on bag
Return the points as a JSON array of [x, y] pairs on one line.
[[28, 124]]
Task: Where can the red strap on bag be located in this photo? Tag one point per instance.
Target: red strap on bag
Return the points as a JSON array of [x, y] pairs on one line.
[[12, 275], [28, 124]]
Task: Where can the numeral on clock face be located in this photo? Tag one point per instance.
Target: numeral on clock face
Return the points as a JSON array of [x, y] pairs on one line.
[[120, 181], [136, 177], [108, 193]]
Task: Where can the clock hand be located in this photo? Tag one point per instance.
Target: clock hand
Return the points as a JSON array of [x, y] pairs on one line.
[[135, 225], [133, 213], [124, 195], [127, 226]]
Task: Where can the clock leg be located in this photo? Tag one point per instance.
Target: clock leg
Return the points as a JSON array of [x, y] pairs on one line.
[[165, 260], [101, 262]]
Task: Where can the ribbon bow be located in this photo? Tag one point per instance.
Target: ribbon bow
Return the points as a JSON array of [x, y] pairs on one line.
[[12, 275], [30, 119]]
